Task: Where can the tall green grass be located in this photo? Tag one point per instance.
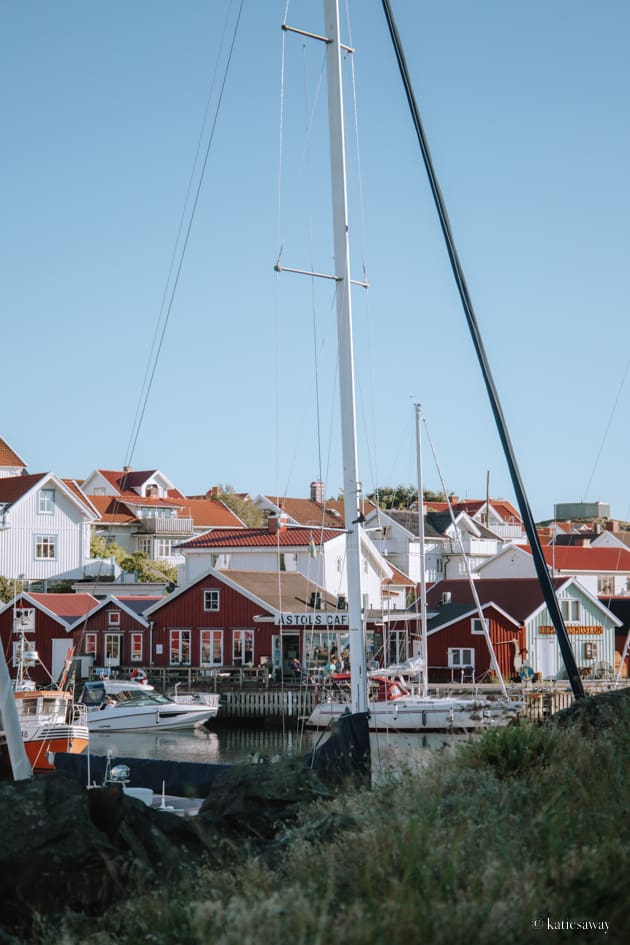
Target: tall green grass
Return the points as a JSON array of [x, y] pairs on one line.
[[524, 824]]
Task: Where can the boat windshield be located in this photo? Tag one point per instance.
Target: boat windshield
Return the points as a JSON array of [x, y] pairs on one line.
[[95, 694]]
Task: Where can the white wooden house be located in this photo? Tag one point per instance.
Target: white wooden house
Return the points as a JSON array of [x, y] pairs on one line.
[[143, 511], [449, 548], [45, 527], [318, 554]]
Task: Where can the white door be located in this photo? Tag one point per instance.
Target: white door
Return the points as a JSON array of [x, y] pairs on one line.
[[546, 657], [59, 653]]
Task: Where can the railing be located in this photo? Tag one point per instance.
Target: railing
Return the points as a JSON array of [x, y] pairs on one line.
[[166, 526]]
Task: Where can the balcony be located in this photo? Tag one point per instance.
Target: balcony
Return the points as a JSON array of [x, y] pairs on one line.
[[176, 527]]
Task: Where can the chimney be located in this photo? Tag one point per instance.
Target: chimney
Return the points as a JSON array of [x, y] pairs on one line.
[[446, 597], [214, 492], [611, 525], [316, 600], [317, 491], [277, 523], [126, 469]]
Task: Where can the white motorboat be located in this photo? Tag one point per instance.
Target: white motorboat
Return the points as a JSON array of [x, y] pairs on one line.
[[127, 706]]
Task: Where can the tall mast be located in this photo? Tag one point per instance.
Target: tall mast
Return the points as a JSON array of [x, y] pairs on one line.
[[351, 484], [423, 575]]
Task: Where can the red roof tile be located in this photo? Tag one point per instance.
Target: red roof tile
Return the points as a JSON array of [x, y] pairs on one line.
[[9, 457], [261, 538], [66, 606]]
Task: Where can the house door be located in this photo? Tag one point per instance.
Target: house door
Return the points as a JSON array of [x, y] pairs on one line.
[[60, 649], [546, 657]]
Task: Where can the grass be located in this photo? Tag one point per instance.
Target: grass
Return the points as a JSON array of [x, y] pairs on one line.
[[526, 823]]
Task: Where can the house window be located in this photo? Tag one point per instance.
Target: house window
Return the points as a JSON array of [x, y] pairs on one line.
[[211, 600], [164, 547], [476, 625], [136, 647], [242, 647], [112, 649], [606, 584], [211, 647], [46, 501], [24, 620], [45, 547], [98, 490], [113, 618], [180, 648], [458, 657], [145, 545], [590, 650], [570, 610], [90, 644]]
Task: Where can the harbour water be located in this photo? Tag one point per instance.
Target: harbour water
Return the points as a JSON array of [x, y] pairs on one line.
[[231, 745]]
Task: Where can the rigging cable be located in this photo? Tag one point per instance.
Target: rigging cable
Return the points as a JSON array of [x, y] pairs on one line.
[[608, 425], [528, 519], [159, 336]]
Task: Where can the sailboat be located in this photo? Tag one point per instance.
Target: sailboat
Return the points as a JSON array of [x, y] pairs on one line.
[[394, 703]]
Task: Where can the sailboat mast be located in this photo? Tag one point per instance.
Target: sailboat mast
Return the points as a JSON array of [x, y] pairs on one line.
[[423, 568], [351, 484]]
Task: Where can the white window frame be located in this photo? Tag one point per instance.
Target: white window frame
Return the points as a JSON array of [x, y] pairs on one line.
[[459, 662], [570, 609], [164, 547], [243, 636], [145, 545], [91, 644], [606, 584], [113, 649], [179, 639], [476, 626], [45, 547], [135, 651], [211, 639], [212, 599], [46, 502], [113, 618]]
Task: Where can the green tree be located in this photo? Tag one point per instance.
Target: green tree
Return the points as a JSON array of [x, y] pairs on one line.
[[402, 497], [248, 513], [9, 588], [138, 562]]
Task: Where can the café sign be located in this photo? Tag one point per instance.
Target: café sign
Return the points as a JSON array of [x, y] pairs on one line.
[[319, 619]]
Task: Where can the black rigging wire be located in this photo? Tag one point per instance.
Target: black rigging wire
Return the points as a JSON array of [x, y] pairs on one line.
[[528, 519]]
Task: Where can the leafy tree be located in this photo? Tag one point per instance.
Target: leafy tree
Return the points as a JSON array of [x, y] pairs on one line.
[[147, 569], [9, 588], [137, 563], [248, 513], [402, 497]]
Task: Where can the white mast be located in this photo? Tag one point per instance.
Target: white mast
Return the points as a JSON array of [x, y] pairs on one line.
[[351, 485], [20, 765], [423, 577]]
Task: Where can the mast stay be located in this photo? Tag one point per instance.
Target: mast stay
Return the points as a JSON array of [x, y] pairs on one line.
[[528, 520]]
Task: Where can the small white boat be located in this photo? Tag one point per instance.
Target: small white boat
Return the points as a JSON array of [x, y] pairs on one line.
[[127, 706]]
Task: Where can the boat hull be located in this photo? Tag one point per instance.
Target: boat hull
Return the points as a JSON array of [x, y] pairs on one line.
[[120, 719], [424, 715]]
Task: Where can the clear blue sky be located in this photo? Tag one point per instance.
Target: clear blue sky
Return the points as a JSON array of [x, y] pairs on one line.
[[526, 110]]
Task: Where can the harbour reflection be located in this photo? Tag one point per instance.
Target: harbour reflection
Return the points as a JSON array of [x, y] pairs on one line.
[[391, 751]]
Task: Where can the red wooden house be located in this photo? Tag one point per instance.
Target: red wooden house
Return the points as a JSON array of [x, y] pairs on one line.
[[115, 633], [243, 618], [44, 622]]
